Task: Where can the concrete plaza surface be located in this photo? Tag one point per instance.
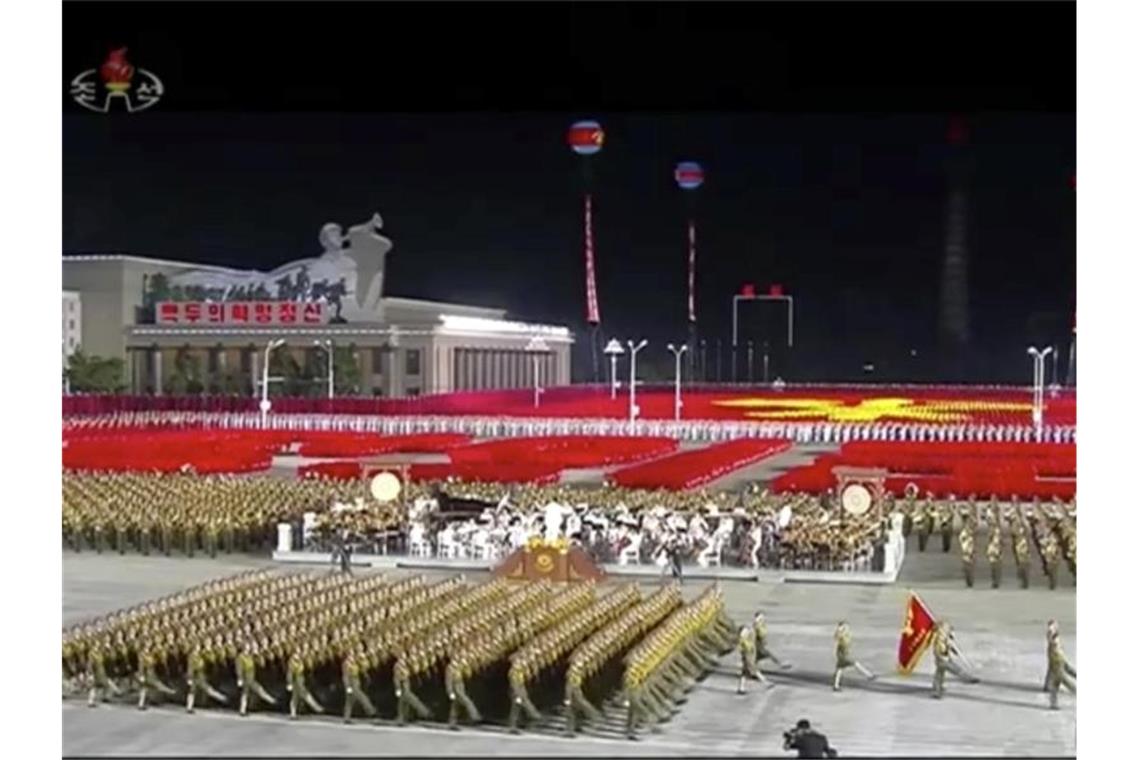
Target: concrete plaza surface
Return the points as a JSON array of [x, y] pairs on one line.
[[1001, 631]]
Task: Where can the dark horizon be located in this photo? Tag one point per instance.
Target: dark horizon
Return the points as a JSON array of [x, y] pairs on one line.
[[845, 209]]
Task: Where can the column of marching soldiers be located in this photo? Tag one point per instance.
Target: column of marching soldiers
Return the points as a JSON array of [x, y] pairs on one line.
[[498, 651], [1051, 527]]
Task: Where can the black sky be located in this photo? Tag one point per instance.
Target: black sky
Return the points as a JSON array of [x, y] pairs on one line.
[[821, 128]]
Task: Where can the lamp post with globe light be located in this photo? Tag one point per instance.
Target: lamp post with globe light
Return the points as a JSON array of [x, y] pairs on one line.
[[265, 404], [633, 349], [536, 347], [327, 346], [613, 350], [1039, 357], [677, 353]]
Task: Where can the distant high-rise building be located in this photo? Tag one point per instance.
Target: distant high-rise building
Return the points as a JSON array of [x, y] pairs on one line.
[[954, 311]]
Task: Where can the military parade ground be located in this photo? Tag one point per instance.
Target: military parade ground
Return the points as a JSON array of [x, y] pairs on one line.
[[1003, 632]]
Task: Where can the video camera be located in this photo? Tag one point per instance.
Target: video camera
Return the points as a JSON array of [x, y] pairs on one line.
[[807, 742]]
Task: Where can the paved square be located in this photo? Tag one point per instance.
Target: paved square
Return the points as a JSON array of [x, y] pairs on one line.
[[1001, 631]]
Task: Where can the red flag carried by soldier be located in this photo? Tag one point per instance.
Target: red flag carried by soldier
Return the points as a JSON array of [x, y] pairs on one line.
[[917, 633]]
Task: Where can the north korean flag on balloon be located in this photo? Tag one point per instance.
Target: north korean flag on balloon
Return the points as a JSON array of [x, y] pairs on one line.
[[917, 633], [585, 137]]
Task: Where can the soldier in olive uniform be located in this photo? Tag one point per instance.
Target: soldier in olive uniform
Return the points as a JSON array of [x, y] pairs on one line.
[[945, 651], [147, 677], [1050, 555], [1020, 552], [1061, 672], [520, 673], [196, 680], [966, 543], [353, 691], [760, 629], [993, 548], [844, 658], [100, 684], [748, 667], [924, 519], [246, 666], [406, 698], [454, 677], [297, 688], [946, 524]]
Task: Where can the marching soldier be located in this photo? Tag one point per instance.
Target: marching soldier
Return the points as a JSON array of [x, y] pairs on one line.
[[760, 629], [1021, 552], [748, 667], [924, 518], [843, 657], [909, 511], [521, 671], [993, 549], [406, 698], [297, 688], [353, 691], [97, 652], [945, 651], [149, 657], [1050, 555], [966, 543], [246, 666], [453, 677], [946, 524], [196, 680], [1061, 672], [575, 700]]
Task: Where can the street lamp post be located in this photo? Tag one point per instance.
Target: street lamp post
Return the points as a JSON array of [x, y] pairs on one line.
[[633, 349], [1039, 357], [327, 346], [613, 350], [265, 404], [677, 353], [704, 361], [536, 347]]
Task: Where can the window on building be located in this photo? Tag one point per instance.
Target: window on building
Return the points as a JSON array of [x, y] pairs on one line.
[[379, 361], [377, 390], [413, 392], [412, 362], [71, 324]]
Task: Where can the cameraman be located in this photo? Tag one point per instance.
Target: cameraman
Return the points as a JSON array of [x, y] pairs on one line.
[[808, 742]]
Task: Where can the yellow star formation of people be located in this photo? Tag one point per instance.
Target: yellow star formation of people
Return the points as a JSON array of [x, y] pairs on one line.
[[868, 410]]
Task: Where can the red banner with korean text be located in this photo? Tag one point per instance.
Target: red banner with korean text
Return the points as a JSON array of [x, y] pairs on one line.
[[917, 633], [241, 313]]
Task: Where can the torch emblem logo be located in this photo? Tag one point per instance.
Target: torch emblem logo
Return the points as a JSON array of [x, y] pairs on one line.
[[116, 84]]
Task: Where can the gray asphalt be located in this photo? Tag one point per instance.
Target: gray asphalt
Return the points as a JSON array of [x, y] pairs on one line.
[[1001, 631]]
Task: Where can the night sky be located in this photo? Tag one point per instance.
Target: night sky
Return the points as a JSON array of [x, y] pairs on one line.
[[821, 129]]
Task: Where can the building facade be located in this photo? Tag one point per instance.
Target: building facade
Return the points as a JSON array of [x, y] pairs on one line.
[[168, 319]]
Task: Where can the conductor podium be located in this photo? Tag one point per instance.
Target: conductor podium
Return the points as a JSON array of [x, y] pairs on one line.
[[549, 560]]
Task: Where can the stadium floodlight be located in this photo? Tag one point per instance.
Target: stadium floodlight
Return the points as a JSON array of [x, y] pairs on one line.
[[677, 353], [613, 350], [633, 349], [327, 346], [536, 347]]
